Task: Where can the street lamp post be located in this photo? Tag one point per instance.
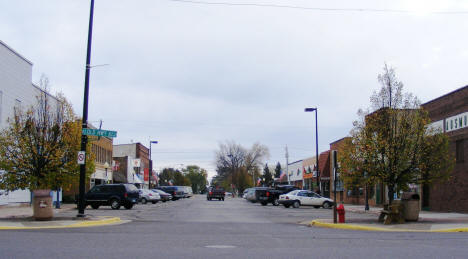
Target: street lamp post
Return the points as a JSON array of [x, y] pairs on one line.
[[150, 164], [316, 147], [84, 123], [106, 166]]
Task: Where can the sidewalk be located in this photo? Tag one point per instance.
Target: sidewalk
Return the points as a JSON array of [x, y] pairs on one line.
[[19, 216], [428, 221]]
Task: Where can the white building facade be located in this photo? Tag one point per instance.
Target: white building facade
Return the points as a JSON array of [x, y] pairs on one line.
[[16, 90]]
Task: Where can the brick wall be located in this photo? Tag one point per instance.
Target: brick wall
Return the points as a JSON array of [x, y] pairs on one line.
[[451, 195]]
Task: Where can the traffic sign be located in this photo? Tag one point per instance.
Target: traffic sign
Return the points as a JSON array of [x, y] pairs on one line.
[[99, 133], [81, 157]]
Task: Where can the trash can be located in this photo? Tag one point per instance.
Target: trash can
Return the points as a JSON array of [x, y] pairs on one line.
[[410, 206], [42, 205]]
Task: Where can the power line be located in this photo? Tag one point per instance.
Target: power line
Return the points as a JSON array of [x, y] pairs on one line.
[[374, 10]]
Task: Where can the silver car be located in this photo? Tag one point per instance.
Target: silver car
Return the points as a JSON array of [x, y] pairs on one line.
[[149, 196]]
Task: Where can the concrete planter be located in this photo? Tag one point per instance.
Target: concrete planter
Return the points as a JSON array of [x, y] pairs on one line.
[[42, 205]]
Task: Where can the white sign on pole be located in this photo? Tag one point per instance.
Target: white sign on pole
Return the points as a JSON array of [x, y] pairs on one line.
[[136, 162], [81, 157]]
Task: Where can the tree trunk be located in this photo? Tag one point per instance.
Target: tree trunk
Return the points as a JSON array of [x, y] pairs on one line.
[[391, 192]]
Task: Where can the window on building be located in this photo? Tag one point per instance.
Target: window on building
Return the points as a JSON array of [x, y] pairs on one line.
[[460, 151]]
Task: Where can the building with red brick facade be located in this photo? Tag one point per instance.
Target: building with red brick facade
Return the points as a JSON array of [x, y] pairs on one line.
[[449, 113]]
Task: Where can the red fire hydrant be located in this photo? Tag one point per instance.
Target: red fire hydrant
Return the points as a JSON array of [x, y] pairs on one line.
[[341, 213]]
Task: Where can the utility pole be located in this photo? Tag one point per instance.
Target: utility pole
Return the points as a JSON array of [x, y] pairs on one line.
[[287, 163], [84, 123]]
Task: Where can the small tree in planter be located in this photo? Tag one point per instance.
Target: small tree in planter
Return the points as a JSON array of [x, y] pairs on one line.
[[38, 150]]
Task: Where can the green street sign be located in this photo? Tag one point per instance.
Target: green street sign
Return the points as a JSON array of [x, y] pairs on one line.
[[99, 133]]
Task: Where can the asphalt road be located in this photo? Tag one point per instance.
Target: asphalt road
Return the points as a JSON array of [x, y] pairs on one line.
[[197, 228]]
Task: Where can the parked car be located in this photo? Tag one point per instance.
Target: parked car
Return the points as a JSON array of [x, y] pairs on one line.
[[164, 195], [271, 195], [187, 191], [149, 196], [114, 195], [215, 193], [303, 197], [250, 195], [172, 190], [244, 194]]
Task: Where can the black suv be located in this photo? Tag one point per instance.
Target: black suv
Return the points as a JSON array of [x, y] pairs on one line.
[[114, 195], [271, 195]]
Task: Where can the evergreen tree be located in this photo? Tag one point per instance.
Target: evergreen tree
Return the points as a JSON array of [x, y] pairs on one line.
[[278, 170], [267, 176]]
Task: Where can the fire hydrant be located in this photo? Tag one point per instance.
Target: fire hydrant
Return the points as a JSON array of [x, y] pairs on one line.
[[341, 213]]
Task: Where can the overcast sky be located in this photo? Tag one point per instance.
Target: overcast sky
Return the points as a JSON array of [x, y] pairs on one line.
[[192, 75]]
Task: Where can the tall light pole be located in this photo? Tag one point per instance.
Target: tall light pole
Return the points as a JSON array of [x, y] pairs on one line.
[[316, 147], [150, 164], [106, 166], [84, 123]]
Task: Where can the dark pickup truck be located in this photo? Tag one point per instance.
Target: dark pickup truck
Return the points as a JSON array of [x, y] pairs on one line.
[[271, 195], [215, 193]]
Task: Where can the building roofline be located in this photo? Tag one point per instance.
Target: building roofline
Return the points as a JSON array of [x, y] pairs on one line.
[[16, 53], [445, 95], [295, 162], [44, 91], [338, 140]]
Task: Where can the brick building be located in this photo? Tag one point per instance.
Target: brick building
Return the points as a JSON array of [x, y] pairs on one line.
[[449, 113], [131, 164]]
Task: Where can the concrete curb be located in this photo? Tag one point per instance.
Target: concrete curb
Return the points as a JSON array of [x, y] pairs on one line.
[[91, 223], [367, 228]]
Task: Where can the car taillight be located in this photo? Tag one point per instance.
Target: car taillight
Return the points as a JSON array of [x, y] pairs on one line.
[[150, 194], [211, 193], [125, 195], [174, 193], [268, 194], [287, 198]]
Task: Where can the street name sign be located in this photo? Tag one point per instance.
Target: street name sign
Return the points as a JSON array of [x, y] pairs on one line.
[[99, 133]]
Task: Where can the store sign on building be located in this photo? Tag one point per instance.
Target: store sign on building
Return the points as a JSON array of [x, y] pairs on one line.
[[456, 122]]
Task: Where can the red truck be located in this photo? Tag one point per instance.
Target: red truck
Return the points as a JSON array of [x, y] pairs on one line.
[[215, 193]]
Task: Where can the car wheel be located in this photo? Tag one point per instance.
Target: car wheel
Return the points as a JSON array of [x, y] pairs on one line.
[[95, 206], [128, 206], [222, 199], [144, 201], [286, 205], [275, 202], [296, 204], [264, 203], [327, 205], [115, 204]]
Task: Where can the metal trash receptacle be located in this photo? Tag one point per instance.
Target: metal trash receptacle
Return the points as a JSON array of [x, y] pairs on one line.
[[410, 202]]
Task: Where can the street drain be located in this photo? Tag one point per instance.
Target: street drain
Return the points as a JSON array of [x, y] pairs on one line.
[[220, 246]]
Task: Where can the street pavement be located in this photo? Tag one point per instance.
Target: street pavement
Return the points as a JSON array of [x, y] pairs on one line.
[[235, 228], [20, 216]]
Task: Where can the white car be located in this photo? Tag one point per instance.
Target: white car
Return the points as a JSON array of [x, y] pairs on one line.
[[149, 196], [303, 197]]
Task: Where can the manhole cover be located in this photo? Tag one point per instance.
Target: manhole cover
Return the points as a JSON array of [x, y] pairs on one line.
[[220, 246]]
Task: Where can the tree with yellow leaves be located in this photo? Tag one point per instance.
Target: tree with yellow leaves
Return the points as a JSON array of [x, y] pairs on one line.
[[38, 150], [393, 144]]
